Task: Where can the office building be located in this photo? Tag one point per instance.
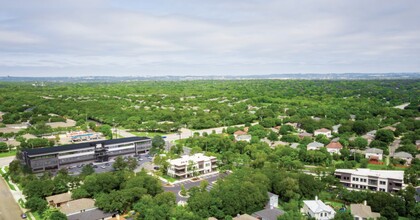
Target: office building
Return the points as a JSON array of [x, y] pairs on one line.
[[52, 158]]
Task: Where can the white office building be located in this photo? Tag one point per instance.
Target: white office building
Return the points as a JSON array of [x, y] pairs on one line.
[[375, 180], [187, 166]]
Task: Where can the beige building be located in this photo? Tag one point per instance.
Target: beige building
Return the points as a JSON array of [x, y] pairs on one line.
[[363, 211]]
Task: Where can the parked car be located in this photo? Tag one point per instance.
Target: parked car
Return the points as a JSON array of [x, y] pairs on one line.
[[103, 167], [107, 164], [140, 159], [95, 166], [23, 216]]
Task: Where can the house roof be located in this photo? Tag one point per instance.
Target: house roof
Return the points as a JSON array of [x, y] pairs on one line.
[[70, 147], [317, 206], [374, 151], [59, 198], [335, 145], [77, 205], [94, 214], [363, 211], [305, 134], [403, 155], [268, 214], [294, 145], [239, 132], [323, 130], [315, 144], [243, 137]]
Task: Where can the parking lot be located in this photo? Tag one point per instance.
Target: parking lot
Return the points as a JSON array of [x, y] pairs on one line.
[[106, 166]]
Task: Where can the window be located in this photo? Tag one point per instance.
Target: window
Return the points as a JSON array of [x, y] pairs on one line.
[[382, 182]]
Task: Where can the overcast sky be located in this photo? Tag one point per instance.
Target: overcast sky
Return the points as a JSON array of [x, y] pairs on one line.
[[212, 37]]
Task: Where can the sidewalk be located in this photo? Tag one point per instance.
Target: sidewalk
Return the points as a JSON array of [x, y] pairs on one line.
[[17, 195]]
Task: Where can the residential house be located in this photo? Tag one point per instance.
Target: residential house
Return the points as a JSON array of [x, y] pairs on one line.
[[314, 146], [305, 134], [323, 131], [58, 200], [244, 137], [84, 209], [404, 156], [374, 153], [271, 211], [363, 212], [335, 128], [317, 209], [239, 132], [334, 147], [294, 145], [418, 144], [368, 137], [375, 180], [189, 165]]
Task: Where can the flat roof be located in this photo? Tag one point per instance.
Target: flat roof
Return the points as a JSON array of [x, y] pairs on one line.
[[389, 174], [69, 147]]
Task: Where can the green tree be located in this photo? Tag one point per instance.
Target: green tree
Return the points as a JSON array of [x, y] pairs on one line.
[[132, 163], [119, 164], [385, 136], [157, 144], [343, 216], [87, 170], [36, 204], [3, 147]]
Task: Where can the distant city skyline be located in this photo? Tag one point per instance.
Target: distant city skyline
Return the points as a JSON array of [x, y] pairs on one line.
[[218, 37]]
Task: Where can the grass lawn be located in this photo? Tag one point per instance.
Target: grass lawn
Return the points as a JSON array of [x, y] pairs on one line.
[[169, 178], [37, 215], [21, 203], [335, 205], [8, 154], [402, 218], [382, 167], [147, 134]]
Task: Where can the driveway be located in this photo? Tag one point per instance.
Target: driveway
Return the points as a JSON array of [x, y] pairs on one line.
[[9, 209], [189, 184]]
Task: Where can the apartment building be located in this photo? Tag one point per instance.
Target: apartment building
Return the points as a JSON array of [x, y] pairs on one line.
[[375, 180], [41, 159], [187, 166]]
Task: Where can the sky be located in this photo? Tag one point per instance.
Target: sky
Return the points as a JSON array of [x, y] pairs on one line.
[[212, 37]]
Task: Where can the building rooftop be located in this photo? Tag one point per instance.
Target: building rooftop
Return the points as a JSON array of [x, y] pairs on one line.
[[363, 211], [91, 214], [374, 151], [239, 132], [77, 205], [243, 137], [59, 198], [268, 214], [317, 206], [69, 147], [392, 174], [403, 155], [315, 144], [323, 130], [186, 158], [334, 145]]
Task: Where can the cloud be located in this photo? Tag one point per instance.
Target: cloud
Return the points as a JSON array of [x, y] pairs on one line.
[[208, 37]]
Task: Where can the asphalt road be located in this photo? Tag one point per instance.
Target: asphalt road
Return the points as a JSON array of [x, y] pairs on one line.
[[9, 209], [4, 161]]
